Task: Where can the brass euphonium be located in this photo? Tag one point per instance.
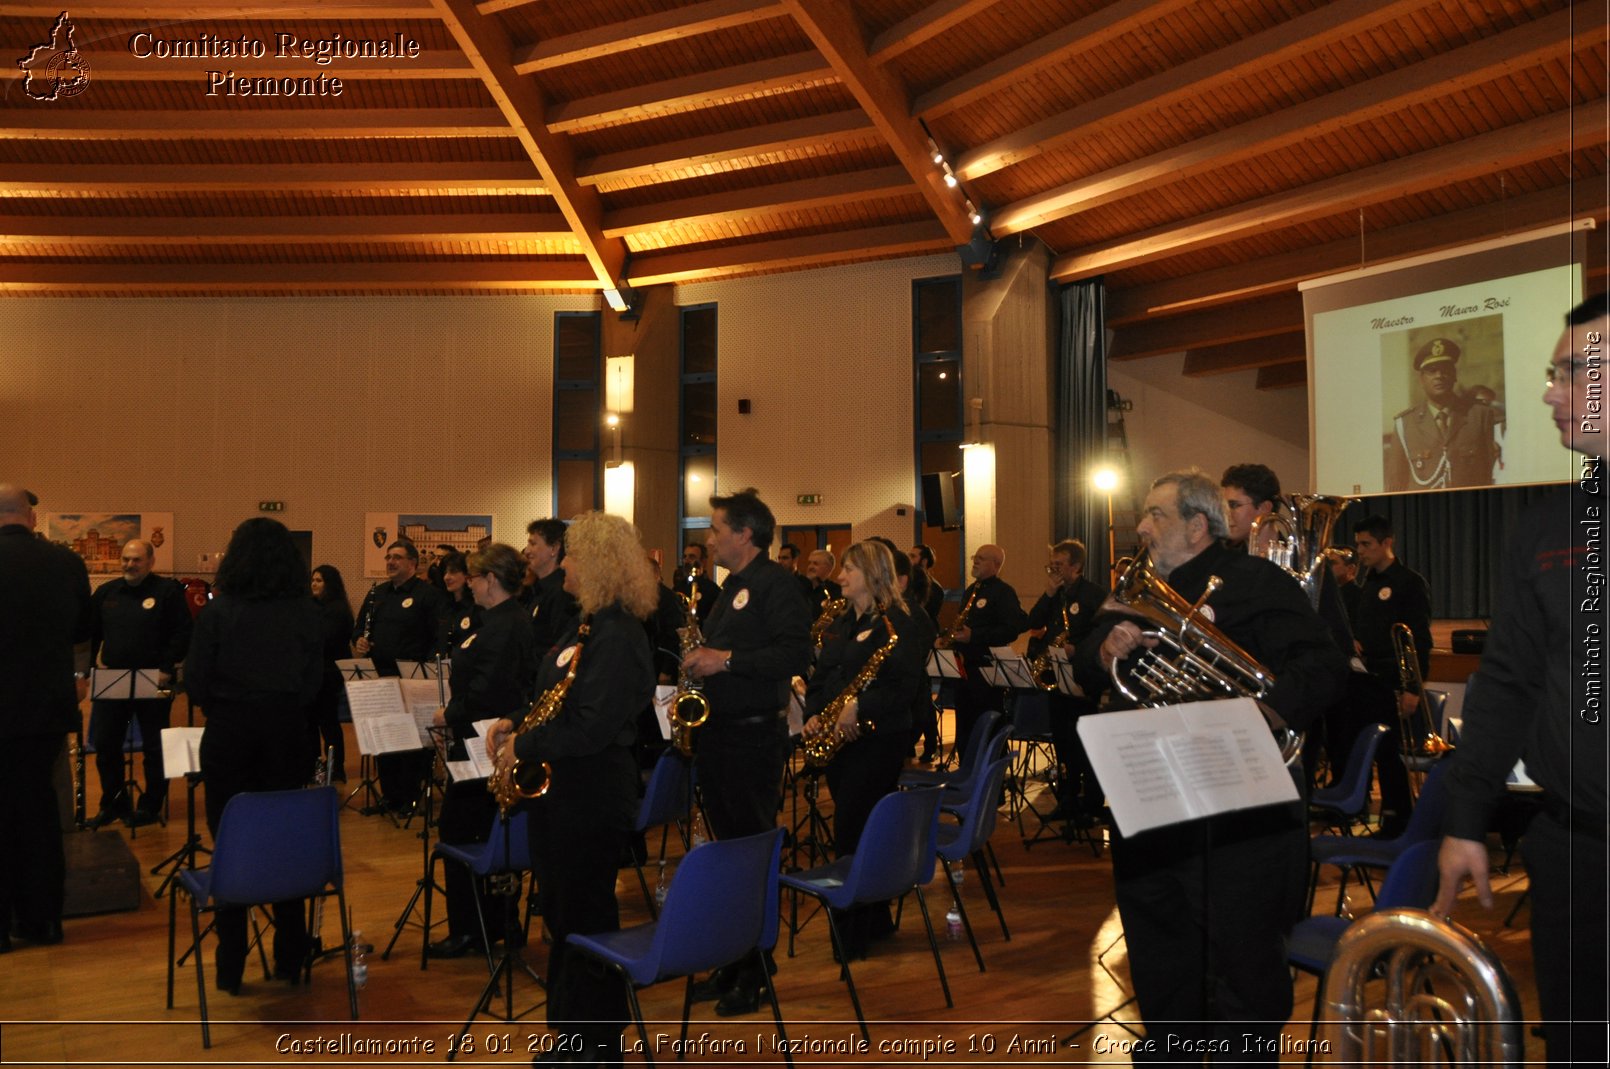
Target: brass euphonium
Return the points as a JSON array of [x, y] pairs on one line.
[[1416, 743], [518, 781], [1043, 669], [830, 609], [689, 707], [1302, 534], [823, 741], [1193, 660]]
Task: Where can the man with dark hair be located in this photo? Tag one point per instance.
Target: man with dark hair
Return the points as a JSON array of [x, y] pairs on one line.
[[756, 641], [694, 574], [1390, 594], [1250, 491], [141, 621], [552, 608], [400, 621], [1539, 696], [788, 557], [1447, 439], [44, 667], [1064, 615], [1207, 904]]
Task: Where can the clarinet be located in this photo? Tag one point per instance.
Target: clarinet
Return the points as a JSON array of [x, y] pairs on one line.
[[369, 614]]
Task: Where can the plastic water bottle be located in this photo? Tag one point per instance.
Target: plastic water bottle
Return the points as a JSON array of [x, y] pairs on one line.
[[953, 924], [659, 888], [360, 961], [958, 872], [698, 835]]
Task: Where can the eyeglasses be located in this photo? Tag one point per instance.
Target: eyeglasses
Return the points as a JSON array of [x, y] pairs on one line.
[[1561, 371], [475, 575]]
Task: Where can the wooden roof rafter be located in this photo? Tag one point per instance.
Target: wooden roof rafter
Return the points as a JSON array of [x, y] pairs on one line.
[[643, 32]]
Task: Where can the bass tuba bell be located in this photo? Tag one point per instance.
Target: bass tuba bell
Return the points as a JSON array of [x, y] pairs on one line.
[[1302, 525]]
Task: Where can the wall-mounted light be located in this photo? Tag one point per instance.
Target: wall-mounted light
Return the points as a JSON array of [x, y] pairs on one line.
[[975, 422]]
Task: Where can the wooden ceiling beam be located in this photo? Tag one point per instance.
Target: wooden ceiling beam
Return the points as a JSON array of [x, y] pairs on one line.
[[817, 131], [1436, 78], [899, 239], [60, 124], [759, 201], [1304, 34], [643, 32], [334, 277], [187, 12], [276, 229], [431, 64], [1283, 376], [1525, 142], [800, 70], [1083, 35], [487, 45], [1280, 314], [923, 26], [833, 27], [1245, 355], [49, 179], [1257, 278]]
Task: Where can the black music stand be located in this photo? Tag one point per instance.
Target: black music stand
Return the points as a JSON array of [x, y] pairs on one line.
[[510, 959], [810, 832], [127, 685], [442, 737], [944, 669], [368, 775], [185, 856]]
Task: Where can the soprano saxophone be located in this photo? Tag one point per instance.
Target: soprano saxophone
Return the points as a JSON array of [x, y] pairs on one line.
[[823, 741], [509, 785]]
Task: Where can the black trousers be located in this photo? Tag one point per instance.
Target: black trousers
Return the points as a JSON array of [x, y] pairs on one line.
[[1370, 701], [468, 810], [858, 776], [34, 875], [1206, 908], [109, 726], [402, 776], [1567, 872], [974, 698], [740, 774], [1081, 783], [925, 725]]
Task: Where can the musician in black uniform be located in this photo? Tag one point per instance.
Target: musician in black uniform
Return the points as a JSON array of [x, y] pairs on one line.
[[330, 592], [494, 666], [462, 615], [141, 621], [925, 592], [552, 606], [819, 574], [694, 571], [579, 829], [254, 668], [991, 615], [1067, 611], [875, 723], [756, 640], [400, 621], [1206, 904]]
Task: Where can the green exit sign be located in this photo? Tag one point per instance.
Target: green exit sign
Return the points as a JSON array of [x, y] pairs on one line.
[[808, 499], [271, 506]]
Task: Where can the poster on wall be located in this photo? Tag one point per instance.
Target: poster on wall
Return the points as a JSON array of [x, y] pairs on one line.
[[98, 537], [426, 532]]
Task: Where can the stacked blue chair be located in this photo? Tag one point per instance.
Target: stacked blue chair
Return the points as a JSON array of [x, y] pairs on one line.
[[968, 839], [972, 752], [667, 801], [1352, 853], [1347, 801]]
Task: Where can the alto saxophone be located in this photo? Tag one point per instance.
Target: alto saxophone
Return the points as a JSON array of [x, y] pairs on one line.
[[505, 784], [830, 609], [1041, 669], [823, 741], [947, 637], [689, 707]]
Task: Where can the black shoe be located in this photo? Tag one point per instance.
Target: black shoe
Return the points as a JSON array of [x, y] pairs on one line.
[[105, 817], [454, 946], [716, 984], [229, 985], [44, 933], [927, 757], [738, 1001], [141, 817]]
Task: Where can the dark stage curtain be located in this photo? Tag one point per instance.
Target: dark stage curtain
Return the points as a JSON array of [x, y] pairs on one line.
[[1080, 511]]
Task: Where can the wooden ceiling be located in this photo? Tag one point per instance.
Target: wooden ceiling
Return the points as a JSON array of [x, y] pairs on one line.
[[1202, 155]]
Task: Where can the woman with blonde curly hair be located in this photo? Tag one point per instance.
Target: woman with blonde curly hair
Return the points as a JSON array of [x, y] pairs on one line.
[[580, 827]]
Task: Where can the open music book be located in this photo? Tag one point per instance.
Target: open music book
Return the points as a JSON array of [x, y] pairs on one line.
[[181, 751], [392, 714], [1183, 762]]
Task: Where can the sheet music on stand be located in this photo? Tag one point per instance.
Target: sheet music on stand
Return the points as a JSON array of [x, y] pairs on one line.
[[1063, 668], [1182, 762], [476, 764], [1010, 671], [357, 668], [181, 751], [425, 669], [125, 684], [942, 664], [391, 714]]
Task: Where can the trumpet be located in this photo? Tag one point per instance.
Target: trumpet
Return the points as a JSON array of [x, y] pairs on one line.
[[823, 741], [1042, 669], [947, 637], [1430, 744], [1193, 660], [689, 707], [830, 609], [514, 782]]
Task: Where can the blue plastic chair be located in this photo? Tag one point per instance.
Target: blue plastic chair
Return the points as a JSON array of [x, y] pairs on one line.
[[968, 839], [1355, 853], [1345, 803], [667, 801], [483, 859], [896, 856], [1410, 882], [271, 846], [720, 909], [972, 751]]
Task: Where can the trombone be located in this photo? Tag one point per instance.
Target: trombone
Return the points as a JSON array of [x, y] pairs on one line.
[[1419, 747]]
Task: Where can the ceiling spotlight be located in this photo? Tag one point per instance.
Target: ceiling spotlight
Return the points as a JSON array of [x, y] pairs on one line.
[[976, 218], [933, 150], [950, 179]]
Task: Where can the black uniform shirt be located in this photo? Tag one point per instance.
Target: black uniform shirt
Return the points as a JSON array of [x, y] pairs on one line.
[[258, 653], [459, 617], [886, 701], [402, 621], [553, 610], [144, 626], [996, 618], [493, 668], [1393, 595], [44, 612], [1081, 598], [761, 618]]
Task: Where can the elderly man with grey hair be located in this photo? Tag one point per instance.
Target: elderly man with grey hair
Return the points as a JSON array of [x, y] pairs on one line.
[[1206, 904]]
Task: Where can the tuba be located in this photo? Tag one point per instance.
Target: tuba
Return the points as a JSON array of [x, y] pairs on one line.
[[1300, 538], [689, 707], [516, 782], [1042, 669], [822, 743], [1444, 996], [1429, 744], [1193, 661]]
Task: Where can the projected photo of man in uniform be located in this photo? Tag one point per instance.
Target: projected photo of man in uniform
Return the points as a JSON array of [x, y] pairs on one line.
[[1449, 438]]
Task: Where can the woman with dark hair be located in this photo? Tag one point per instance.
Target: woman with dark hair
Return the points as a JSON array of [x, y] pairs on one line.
[[462, 614], [330, 591], [579, 829], [493, 666], [874, 722], [256, 659]]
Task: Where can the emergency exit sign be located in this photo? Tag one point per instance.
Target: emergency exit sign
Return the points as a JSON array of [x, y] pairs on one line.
[[271, 506], [808, 499]]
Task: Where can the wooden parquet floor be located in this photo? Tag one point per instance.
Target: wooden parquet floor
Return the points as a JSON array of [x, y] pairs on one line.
[[99, 997]]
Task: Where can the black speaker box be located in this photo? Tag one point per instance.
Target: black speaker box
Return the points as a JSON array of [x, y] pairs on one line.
[[1469, 640], [939, 500]]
